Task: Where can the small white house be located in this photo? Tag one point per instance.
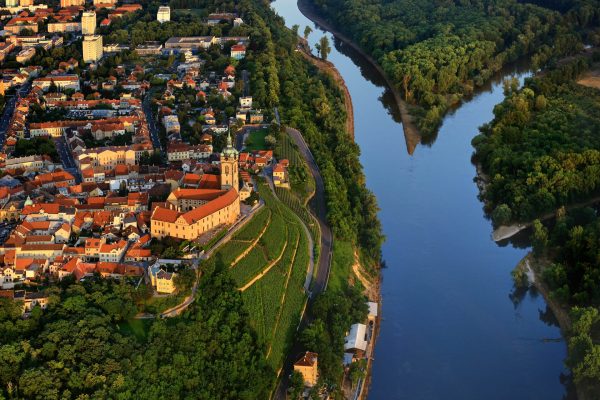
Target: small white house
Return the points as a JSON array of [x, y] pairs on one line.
[[356, 338]]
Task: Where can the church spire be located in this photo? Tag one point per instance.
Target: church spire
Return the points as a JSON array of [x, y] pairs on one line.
[[229, 150]]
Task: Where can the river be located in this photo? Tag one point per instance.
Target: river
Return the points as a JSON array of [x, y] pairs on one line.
[[449, 329]]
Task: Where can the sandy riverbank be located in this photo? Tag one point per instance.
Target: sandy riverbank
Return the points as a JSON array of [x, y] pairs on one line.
[[411, 133]]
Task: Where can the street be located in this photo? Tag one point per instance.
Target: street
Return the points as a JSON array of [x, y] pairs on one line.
[[319, 209], [9, 108], [66, 157], [147, 106]]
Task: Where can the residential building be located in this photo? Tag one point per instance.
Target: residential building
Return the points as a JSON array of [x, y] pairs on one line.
[[165, 282], [25, 55], [149, 48], [112, 252], [71, 3], [92, 48], [216, 18], [62, 82], [62, 27], [105, 3], [308, 367], [238, 51], [164, 14], [191, 42], [280, 176], [88, 23], [171, 123]]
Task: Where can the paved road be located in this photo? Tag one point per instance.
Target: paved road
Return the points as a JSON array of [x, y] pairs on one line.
[[246, 79], [9, 109], [319, 208], [66, 158], [147, 107]]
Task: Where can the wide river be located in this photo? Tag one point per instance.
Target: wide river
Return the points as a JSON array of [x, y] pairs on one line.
[[449, 329]]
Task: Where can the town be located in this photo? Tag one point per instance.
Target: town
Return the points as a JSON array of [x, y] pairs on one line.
[[136, 163]]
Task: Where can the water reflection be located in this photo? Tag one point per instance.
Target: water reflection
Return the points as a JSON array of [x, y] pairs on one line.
[[450, 329]]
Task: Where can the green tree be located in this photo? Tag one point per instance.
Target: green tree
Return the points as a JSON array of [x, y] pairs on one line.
[[307, 31], [502, 215], [324, 47]]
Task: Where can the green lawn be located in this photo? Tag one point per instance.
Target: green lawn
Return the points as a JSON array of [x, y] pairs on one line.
[[256, 140]]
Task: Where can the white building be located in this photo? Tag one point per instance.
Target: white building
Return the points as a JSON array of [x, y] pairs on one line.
[[164, 14], [171, 123], [92, 48], [356, 339], [246, 102], [88, 23]]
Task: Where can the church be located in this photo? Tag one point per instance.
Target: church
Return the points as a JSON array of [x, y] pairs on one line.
[[189, 213]]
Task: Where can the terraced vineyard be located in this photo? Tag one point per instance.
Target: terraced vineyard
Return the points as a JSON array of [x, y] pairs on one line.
[[269, 260]]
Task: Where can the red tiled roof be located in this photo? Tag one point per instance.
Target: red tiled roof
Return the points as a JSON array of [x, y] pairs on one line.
[[165, 215], [211, 207]]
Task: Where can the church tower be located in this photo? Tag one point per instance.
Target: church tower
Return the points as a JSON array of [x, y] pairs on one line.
[[229, 166]]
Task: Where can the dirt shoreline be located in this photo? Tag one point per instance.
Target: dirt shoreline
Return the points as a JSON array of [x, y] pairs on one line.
[[329, 68], [411, 133]]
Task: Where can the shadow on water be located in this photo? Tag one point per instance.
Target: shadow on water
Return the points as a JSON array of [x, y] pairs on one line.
[[387, 99]]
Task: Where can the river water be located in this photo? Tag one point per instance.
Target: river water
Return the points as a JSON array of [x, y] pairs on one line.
[[449, 329]]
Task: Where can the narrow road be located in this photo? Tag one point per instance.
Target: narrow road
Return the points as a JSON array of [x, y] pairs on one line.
[[9, 108], [147, 107], [319, 209]]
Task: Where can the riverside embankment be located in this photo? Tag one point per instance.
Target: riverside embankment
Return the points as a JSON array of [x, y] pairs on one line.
[[449, 328], [411, 133]]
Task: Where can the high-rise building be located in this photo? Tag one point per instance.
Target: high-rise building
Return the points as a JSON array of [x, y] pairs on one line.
[[69, 3], [164, 14], [92, 48], [12, 3], [25, 3], [88, 23]]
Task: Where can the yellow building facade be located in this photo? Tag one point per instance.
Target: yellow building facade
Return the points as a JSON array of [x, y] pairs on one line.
[[308, 367], [189, 213]]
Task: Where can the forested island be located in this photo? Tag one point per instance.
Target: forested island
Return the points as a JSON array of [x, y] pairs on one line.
[[541, 156], [438, 52]]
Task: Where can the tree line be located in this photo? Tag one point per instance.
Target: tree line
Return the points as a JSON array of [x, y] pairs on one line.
[[83, 345], [541, 153], [438, 52]]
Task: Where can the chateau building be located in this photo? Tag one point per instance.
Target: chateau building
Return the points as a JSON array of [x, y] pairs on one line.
[[189, 213]]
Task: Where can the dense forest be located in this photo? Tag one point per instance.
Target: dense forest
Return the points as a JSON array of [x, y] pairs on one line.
[[438, 51], [541, 154], [85, 344], [542, 150]]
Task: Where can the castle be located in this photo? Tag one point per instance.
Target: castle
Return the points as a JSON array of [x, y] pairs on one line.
[[189, 213]]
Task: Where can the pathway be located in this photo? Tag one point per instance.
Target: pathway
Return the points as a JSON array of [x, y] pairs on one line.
[[265, 270], [319, 284]]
